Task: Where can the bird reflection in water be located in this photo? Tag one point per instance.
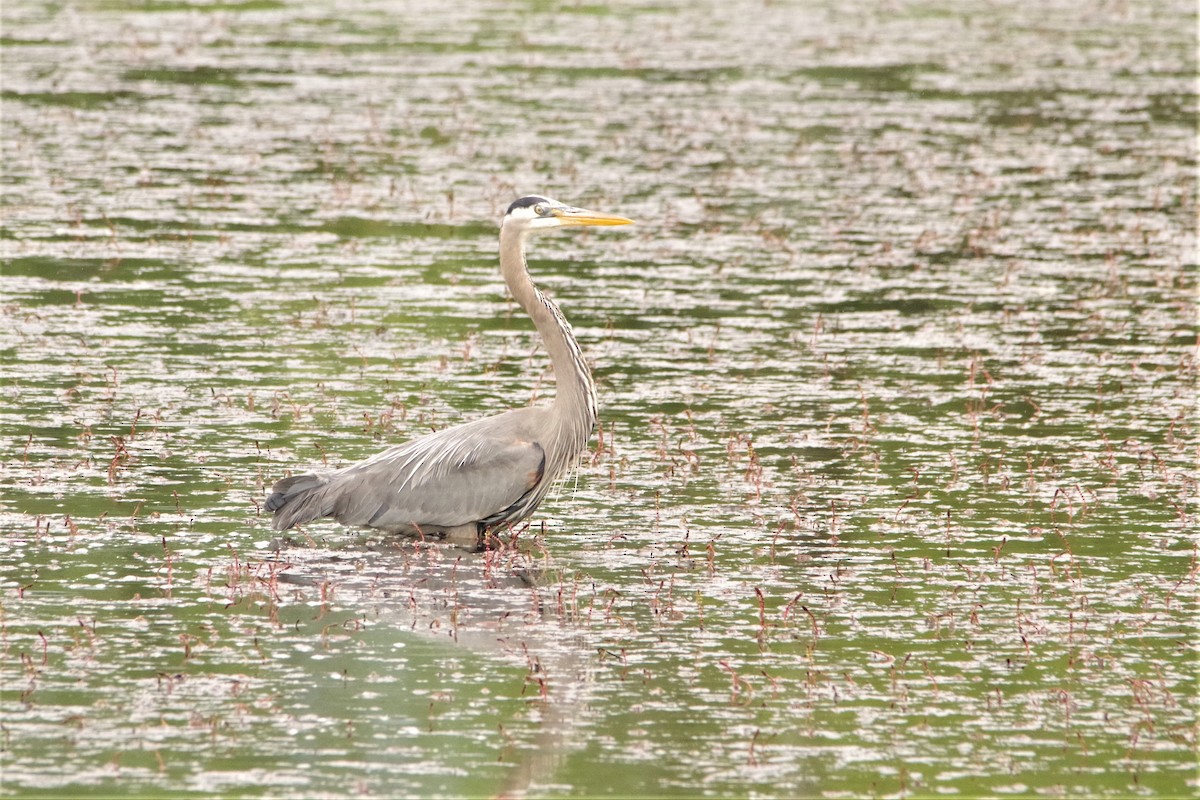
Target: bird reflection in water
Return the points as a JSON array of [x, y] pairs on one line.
[[505, 602]]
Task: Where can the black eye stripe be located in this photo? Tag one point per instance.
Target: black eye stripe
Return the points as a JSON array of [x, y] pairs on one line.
[[526, 202]]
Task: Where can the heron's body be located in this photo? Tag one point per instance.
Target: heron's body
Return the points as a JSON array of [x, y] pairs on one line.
[[461, 481]]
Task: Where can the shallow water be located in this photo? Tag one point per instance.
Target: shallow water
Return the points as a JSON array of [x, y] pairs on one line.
[[895, 490]]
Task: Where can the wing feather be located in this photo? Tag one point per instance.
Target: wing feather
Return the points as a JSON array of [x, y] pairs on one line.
[[452, 477]]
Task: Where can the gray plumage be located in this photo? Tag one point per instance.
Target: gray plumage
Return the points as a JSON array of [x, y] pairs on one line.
[[460, 481]]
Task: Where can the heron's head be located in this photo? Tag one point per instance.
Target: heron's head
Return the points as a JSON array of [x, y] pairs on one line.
[[537, 213]]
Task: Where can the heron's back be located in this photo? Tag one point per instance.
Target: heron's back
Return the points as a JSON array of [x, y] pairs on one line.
[[489, 472]]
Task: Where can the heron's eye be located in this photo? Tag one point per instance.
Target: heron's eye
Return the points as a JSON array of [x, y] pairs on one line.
[[540, 209]]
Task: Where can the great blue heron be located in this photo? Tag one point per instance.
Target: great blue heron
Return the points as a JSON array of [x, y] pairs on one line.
[[459, 482]]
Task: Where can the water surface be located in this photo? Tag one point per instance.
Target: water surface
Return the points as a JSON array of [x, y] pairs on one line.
[[895, 488]]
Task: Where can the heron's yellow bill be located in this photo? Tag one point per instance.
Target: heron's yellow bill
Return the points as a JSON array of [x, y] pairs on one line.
[[581, 216]]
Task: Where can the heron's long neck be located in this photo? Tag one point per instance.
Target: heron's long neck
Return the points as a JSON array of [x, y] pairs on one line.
[[575, 392]]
